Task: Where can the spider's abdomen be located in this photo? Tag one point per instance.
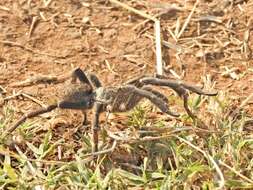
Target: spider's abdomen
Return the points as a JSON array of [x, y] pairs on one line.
[[117, 99], [77, 96]]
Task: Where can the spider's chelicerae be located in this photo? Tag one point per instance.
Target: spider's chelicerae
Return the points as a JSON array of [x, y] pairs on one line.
[[89, 93]]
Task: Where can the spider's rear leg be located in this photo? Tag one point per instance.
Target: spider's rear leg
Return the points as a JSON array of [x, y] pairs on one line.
[[27, 116]]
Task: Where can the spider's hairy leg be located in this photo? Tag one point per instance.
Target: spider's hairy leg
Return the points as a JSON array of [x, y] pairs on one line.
[[177, 86], [81, 105], [89, 78], [153, 97], [198, 90], [158, 94], [189, 87], [80, 75], [85, 120], [180, 88], [29, 115], [136, 81], [98, 108], [77, 106], [94, 80]]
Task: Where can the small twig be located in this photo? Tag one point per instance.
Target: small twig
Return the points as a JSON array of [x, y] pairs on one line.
[[165, 129], [47, 3], [10, 43], [134, 167], [236, 111], [29, 3], [209, 18], [12, 96], [4, 8], [2, 90], [103, 101], [109, 150], [43, 16], [245, 102], [208, 157], [148, 139], [110, 68], [137, 63], [170, 45], [35, 80], [42, 78], [125, 6], [175, 74], [187, 20], [9, 153], [14, 155], [166, 11], [145, 21], [235, 172], [33, 99], [34, 21], [132, 140]]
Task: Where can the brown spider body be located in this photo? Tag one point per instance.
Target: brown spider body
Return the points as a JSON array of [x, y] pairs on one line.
[[89, 93], [125, 98], [76, 96]]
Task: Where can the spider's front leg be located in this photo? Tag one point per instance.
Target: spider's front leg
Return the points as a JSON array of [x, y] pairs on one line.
[[81, 76], [94, 80], [98, 108], [180, 88]]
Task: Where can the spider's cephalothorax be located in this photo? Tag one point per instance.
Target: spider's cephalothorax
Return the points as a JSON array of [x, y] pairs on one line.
[[89, 93]]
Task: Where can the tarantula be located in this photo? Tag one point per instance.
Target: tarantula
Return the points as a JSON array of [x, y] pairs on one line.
[[89, 93]]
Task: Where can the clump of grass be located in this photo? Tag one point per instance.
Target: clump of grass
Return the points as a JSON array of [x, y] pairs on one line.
[[138, 117], [162, 163]]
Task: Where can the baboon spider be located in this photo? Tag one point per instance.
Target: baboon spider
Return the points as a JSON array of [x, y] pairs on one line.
[[89, 93]]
